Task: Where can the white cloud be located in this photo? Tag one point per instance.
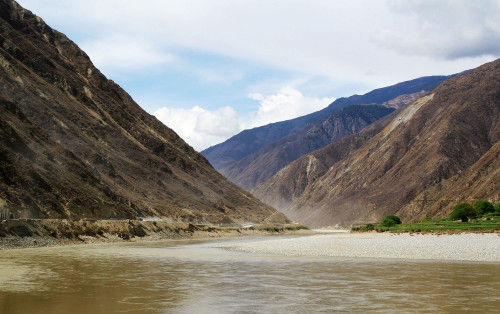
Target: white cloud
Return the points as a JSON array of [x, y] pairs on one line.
[[444, 29], [199, 127], [120, 53], [376, 42], [370, 43], [202, 128], [222, 122], [288, 103]]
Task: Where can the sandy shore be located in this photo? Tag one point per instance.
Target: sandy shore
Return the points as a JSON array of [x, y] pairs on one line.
[[458, 247]]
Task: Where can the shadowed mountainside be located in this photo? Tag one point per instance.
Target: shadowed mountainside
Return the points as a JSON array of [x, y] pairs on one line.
[[74, 144], [261, 165]]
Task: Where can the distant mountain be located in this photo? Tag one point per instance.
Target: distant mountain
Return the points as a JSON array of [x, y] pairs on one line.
[[259, 166], [73, 144], [437, 151], [249, 141], [290, 182]]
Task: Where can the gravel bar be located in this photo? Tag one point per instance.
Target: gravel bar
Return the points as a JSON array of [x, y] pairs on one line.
[[457, 247]]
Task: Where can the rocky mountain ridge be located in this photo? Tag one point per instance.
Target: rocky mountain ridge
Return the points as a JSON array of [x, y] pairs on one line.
[[261, 165], [73, 144], [438, 150], [247, 142]]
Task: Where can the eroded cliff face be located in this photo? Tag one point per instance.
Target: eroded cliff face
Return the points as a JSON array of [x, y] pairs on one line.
[[74, 144], [437, 151]]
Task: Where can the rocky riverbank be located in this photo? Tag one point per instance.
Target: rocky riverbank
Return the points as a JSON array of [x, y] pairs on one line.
[[51, 232]]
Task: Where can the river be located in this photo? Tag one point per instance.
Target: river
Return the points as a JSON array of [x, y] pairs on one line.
[[207, 276]]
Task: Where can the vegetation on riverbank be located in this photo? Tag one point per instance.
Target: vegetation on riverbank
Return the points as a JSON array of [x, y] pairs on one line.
[[482, 216]]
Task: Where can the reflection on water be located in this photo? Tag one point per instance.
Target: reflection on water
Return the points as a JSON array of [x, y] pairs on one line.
[[193, 277]]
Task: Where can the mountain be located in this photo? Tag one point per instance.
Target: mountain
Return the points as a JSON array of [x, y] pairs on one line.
[[261, 165], [435, 152], [73, 144], [290, 182], [479, 181], [249, 141]]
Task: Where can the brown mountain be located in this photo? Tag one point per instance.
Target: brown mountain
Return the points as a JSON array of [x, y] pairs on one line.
[[438, 150], [264, 163], [290, 182], [480, 181], [74, 144]]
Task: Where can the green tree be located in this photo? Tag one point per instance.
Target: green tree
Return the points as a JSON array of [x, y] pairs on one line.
[[497, 208], [482, 207], [390, 221], [463, 211]]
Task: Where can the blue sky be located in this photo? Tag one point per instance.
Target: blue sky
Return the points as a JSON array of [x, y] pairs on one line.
[[209, 69]]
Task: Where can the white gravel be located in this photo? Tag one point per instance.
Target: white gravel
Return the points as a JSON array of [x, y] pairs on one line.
[[458, 247]]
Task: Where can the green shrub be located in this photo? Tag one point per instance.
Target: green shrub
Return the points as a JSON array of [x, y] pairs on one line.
[[367, 227], [390, 221], [463, 211], [497, 208], [370, 227], [482, 207]]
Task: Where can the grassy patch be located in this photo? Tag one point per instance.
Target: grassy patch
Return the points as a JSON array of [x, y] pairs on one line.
[[488, 223]]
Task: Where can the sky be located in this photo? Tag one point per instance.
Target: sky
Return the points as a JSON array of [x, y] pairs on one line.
[[210, 68]]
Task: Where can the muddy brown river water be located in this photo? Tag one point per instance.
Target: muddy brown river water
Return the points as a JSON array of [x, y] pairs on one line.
[[197, 276]]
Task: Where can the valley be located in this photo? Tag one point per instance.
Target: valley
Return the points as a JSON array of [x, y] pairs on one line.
[[353, 160]]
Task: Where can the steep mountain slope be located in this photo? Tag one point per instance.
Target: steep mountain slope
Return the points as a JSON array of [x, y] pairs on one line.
[[73, 144], [290, 182], [249, 141], [441, 138], [480, 181], [259, 166]]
